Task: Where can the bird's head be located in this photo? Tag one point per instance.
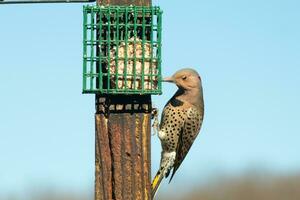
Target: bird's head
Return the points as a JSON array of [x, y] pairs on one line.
[[186, 79]]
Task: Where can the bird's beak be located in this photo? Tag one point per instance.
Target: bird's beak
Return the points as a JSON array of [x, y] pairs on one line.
[[168, 79]]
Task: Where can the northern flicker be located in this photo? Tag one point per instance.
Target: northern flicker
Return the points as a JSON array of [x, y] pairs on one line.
[[180, 124]]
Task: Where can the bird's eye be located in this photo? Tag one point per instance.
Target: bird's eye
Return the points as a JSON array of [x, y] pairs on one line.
[[184, 77]]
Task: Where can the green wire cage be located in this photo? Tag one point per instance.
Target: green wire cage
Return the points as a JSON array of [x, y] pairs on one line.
[[122, 50]]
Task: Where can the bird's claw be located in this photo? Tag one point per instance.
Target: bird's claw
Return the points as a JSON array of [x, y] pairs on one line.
[[155, 124]]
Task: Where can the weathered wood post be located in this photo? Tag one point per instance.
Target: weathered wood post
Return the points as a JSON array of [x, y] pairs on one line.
[[123, 130], [123, 147]]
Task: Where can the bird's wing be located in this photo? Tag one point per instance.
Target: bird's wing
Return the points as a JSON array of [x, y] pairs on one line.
[[188, 134]]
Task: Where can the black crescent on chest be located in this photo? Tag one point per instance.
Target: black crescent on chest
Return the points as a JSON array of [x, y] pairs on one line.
[[175, 102]]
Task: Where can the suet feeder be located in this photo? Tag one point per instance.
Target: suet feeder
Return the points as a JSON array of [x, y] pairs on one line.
[[122, 50]]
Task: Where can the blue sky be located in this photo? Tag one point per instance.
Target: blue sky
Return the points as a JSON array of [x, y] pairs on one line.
[[247, 53]]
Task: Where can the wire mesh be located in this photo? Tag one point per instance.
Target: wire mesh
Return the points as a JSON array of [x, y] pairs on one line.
[[122, 49]]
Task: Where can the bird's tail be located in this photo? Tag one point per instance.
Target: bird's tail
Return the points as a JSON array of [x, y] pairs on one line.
[[156, 183]]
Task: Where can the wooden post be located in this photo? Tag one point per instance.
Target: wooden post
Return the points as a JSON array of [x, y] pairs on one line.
[[123, 133]]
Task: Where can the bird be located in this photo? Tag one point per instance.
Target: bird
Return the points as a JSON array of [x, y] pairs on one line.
[[180, 124]]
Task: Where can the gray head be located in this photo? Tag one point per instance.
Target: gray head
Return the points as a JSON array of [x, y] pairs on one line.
[[186, 79]]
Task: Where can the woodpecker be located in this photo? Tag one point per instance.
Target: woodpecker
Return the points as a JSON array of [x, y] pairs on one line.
[[180, 124]]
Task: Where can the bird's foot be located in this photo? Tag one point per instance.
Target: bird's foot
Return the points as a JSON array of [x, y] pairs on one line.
[[155, 124]]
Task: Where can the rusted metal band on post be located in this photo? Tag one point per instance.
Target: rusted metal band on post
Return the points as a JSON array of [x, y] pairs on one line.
[[106, 104]]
